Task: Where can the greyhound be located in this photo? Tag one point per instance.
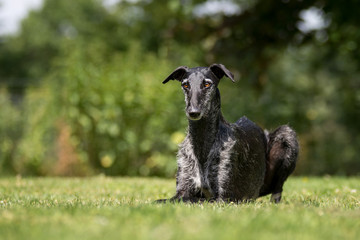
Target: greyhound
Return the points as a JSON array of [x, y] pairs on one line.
[[221, 161]]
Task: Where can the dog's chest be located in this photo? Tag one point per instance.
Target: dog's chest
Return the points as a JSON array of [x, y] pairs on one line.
[[210, 173], [204, 176]]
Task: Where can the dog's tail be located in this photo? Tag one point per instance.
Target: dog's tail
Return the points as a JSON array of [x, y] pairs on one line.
[[281, 157]]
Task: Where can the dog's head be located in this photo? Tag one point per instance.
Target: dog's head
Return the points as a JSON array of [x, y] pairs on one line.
[[200, 86]]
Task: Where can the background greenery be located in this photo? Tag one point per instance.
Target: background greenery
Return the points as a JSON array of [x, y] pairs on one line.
[[122, 208], [81, 92]]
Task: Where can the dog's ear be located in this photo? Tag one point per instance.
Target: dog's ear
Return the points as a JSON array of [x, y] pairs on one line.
[[177, 74], [220, 70]]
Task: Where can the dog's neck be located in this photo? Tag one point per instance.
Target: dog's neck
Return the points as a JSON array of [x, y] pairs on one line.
[[203, 133]]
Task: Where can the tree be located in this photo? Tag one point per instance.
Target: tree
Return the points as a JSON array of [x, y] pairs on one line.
[[306, 78]]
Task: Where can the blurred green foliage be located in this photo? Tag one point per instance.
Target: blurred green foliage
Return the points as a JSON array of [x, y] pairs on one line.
[[81, 92], [120, 115]]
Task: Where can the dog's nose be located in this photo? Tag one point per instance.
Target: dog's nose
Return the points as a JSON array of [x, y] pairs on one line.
[[194, 114]]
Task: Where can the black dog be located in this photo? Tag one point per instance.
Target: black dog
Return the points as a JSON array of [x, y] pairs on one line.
[[221, 161]]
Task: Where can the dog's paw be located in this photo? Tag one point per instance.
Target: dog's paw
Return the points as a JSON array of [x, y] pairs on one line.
[[160, 201]]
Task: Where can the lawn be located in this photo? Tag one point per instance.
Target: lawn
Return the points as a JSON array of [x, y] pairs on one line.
[[121, 208]]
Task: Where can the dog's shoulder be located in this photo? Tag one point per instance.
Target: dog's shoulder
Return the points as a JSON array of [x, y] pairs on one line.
[[248, 130], [246, 125]]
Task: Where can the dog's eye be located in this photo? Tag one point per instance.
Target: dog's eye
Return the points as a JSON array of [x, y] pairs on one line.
[[207, 84], [185, 85]]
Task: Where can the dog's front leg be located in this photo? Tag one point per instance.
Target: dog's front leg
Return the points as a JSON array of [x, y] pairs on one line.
[[188, 183], [187, 189], [188, 195], [184, 196]]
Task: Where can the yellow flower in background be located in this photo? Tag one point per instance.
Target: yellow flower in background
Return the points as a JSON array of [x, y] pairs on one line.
[[177, 137], [107, 161]]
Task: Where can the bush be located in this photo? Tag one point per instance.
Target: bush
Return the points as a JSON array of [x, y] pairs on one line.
[[10, 131], [119, 112]]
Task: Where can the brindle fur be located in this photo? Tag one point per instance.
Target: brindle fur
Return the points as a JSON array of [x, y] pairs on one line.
[[221, 161]]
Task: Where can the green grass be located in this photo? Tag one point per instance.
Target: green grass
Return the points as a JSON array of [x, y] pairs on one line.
[[122, 208]]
